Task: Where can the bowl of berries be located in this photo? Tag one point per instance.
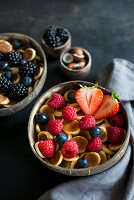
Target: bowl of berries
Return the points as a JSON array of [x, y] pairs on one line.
[[78, 128], [23, 70], [55, 40]]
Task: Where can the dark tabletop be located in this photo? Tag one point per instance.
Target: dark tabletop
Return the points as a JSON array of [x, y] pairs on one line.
[[105, 28]]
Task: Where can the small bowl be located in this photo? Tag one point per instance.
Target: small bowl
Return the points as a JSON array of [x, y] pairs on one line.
[[56, 52], [76, 74], [32, 43], [62, 88]]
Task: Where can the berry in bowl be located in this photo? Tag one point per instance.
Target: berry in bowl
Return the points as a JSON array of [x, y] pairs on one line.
[[77, 128], [22, 71], [75, 63], [55, 40]]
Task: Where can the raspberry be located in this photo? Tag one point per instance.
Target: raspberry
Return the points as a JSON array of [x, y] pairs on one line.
[[95, 145], [47, 148], [87, 122], [117, 120], [115, 135], [69, 113], [69, 149], [55, 126], [57, 101]]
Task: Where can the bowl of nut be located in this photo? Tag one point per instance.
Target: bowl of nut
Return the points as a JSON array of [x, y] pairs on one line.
[[55, 40], [78, 129], [75, 63], [23, 70]]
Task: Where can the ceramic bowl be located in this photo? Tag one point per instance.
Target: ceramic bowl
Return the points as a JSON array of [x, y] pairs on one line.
[[62, 88], [56, 52], [76, 74], [28, 41]]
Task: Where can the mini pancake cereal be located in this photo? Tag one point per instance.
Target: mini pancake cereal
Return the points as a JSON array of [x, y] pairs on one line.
[[73, 128]]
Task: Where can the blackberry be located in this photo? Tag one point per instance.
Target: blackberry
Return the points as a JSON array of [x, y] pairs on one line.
[[5, 84], [63, 34], [1, 56], [13, 58], [28, 69], [19, 91]]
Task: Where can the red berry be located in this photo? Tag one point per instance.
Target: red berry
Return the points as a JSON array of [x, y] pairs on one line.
[[95, 145], [117, 120], [115, 135], [57, 101], [55, 126], [87, 122], [47, 148], [69, 149], [69, 114]]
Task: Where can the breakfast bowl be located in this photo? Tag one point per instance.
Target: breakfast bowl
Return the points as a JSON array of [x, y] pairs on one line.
[[55, 52], [64, 167], [15, 46], [76, 73]]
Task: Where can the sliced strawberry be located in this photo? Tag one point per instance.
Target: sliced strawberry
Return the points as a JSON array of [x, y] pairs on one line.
[[89, 98], [108, 107]]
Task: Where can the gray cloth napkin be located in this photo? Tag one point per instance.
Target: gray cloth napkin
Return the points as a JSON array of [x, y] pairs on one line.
[[118, 181]]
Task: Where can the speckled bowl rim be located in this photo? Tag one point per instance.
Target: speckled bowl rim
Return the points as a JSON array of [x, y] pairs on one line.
[[62, 65], [78, 172], [22, 104]]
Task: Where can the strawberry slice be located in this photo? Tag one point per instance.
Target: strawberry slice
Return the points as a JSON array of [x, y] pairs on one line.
[[89, 98], [108, 107]]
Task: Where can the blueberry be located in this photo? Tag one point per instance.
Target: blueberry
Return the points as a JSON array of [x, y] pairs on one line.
[[3, 66], [27, 81], [8, 74], [61, 138], [71, 97], [17, 44], [81, 163], [41, 118], [23, 62], [95, 131]]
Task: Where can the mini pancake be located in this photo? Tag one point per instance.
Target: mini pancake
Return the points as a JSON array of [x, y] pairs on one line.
[[21, 51], [83, 154], [48, 111], [44, 135], [85, 134], [11, 103], [38, 73], [72, 164], [80, 114], [30, 89], [56, 159], [99, 121], [65, 164], [69, 136], [5, 46], [72, 159], [93, 159], [106, 125], [115, 147], [47, 102], [81, 142], [35, 84], [38, 150], [103, 156], [3, 100], [108, 156], [38, 57], [103, 135], [57, 146], [16, 78], [29, 54], [77, 109], [66, 94], [1, 74], [107, 150], [58, 113], [41, 127], [75, 105], [14, 70], [71, 127]]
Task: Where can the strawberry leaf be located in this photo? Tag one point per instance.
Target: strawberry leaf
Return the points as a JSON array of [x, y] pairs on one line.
[[115, 95]]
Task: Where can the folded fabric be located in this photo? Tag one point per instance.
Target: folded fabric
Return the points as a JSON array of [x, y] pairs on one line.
[[118, 181]]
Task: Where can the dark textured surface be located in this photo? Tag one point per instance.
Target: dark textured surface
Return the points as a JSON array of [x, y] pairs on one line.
[[105, 28]]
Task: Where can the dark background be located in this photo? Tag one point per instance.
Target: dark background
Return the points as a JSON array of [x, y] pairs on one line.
[[105, 28]]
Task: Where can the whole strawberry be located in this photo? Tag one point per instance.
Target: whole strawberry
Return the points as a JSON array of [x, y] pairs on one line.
[[47, 148], [87, 122], [69, 149], [69, 113], [115, 135], [55, 126], [57, 101], [117, 120], [95, 145]]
